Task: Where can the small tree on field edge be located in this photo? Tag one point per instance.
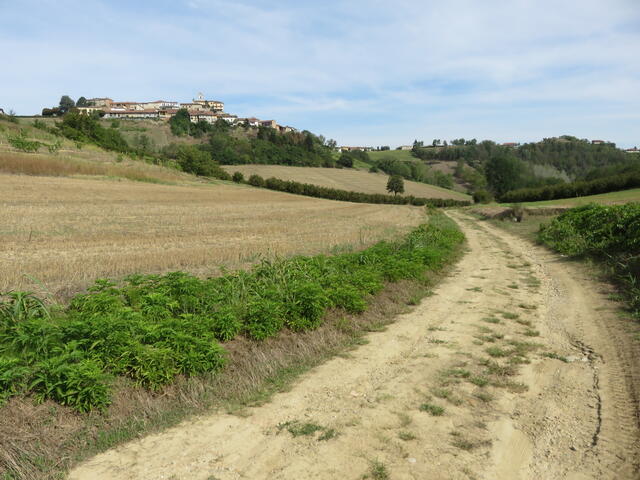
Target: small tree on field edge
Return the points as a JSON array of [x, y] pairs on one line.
[[395, 184]]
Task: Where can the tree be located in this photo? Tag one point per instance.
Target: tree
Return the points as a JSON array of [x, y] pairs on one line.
[[66, 103], [180, 123], [238, 177], [82, 102], [504, 172], [395, 184], [345, 160]]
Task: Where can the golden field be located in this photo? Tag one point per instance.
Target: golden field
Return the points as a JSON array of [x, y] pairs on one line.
[[62, 233], [343, 179]]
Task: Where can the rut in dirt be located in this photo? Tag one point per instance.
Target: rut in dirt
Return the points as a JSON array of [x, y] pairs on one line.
[[514, 368]]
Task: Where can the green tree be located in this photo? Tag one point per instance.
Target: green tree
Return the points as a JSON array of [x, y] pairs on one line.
[[180, 123], [395, 184], [504, 172], [345, 160], [82, 102], [238, 177], [66, 103]]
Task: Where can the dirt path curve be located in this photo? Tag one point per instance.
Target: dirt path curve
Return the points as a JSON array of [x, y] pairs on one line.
[[536, 374]]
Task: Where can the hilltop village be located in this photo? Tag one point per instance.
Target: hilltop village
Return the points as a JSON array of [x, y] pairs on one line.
[[200, 109]]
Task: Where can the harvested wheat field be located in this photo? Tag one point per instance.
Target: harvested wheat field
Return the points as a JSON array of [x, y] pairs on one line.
[[65, 232], [344, 179]]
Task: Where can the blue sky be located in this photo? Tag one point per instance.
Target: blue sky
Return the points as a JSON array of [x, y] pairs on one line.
[[362, 72]]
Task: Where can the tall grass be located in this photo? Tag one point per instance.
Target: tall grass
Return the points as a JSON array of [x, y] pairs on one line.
[[61, 166]]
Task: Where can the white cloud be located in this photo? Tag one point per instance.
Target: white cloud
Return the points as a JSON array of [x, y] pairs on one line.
[[413, 61]]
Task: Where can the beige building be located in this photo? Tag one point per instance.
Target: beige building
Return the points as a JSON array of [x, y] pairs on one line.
[[215, 105]]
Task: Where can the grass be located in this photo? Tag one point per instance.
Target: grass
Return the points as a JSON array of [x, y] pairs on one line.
[[344, 179], [297, 429], [406, 436], [65, 232], [434, 410], [555, 356], [491, 320], [624, 196], [378, 471]]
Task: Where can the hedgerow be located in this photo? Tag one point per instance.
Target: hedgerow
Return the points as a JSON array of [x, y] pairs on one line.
[[608, 233], [612, 183], [317, 191], [152, 328]]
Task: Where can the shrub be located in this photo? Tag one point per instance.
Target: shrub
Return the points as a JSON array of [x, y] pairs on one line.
[[256, 181], [238, 177], [263, 318], [305, 306], [482, 196], [21, 142]]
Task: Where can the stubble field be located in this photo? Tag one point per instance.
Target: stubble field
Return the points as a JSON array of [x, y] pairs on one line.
[[344, 179], [60, 234]]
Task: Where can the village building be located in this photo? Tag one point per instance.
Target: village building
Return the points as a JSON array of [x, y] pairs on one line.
[[100, 102], [405, 147], [215, 105], [597, 142], [122, 113], [269, 124]]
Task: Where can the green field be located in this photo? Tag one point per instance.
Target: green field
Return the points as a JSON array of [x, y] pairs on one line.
[[623, 196], [395, 154]]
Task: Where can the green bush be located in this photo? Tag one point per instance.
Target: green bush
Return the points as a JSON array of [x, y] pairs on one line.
[[482, 196], [609, 234]]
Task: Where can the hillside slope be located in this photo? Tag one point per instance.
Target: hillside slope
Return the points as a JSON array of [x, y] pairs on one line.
[[343, 179]]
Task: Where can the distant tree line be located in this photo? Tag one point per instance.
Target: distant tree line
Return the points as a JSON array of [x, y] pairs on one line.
[[412, 170], [575, 189]]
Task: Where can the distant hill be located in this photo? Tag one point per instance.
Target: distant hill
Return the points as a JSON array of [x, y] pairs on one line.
[[343, 179]]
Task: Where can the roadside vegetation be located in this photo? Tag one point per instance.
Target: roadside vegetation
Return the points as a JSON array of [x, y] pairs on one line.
[[608, 234], [153, 333]]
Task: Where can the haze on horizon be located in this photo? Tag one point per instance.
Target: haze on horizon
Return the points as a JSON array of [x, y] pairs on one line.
[[362, 72]]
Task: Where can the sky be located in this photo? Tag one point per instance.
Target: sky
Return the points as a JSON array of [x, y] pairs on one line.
[[363, 72]]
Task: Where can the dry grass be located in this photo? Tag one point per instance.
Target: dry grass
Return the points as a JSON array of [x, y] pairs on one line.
[[64, 165], [344, 179], [66, 232]]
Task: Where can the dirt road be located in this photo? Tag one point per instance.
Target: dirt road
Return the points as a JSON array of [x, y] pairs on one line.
[[535, 372]]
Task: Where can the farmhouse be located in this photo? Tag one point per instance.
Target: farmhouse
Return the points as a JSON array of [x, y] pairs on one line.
[[405, 147], [597, 142]]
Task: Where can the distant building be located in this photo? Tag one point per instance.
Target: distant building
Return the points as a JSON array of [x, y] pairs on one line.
[[124, 113], [632, 150], [352, 149], [510, 144], [269, 124], [597, 142], [99, 102], [90, 110], [215, 105], [405, 147]]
